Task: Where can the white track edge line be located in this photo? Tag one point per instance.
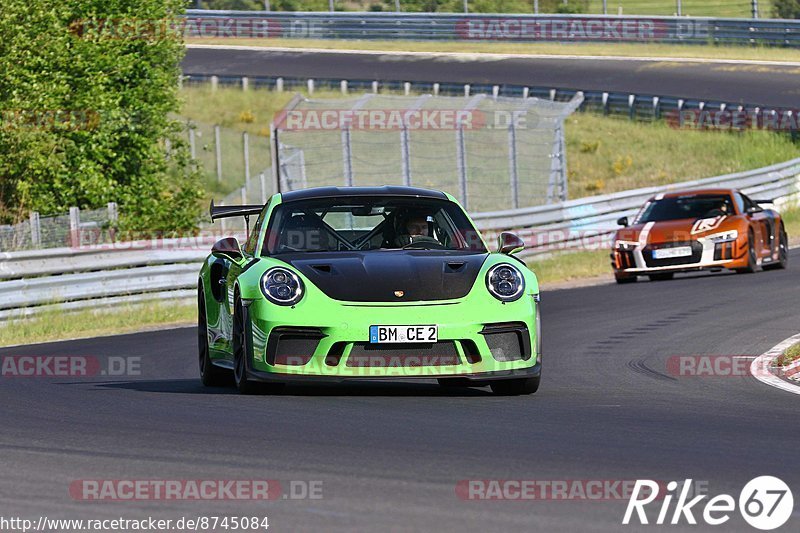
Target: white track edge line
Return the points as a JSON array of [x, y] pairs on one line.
[[760, 367]]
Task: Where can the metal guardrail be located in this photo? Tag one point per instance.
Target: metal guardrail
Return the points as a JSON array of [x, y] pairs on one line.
[[639, 107], [589, 223], [33, 282], [493, 27], [37, 281]]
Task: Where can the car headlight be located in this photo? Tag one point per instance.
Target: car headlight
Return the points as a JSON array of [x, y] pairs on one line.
[[731, 235], [625, 245], [505, 282], [282, 286]]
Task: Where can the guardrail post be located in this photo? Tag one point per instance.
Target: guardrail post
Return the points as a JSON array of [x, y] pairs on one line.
[[461, 162], [113, 219], [75, 226], [405, 154], [347, 156], [274, 147], [279, 85], [245, 83], [552, 94], [605, 104], [343, 86], [557, 184], [631, 106], [656, 108], [406, 88], [495, 91], [214, 83], [218, 152], [246, 154], [375, 87], [262, 178], [526, 92], [512, 162], [436, 89], [113, 212], [310, 86], [192, 143], [36, 230]]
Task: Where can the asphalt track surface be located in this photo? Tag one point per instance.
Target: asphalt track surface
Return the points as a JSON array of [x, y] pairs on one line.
[[755, 84], [389, 455]]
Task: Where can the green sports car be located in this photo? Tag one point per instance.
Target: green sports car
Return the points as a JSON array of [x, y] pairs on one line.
[[371, 283]]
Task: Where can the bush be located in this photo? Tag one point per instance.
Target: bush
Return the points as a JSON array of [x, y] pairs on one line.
[[786, 9], [85, 112]]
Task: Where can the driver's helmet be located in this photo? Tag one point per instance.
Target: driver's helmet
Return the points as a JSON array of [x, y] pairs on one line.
[[410, 225]]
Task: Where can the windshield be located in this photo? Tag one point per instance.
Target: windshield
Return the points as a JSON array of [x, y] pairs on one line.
[[679, 207], [370, 223]]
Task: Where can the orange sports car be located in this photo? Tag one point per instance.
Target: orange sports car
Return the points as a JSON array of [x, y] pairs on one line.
[[707, 229]]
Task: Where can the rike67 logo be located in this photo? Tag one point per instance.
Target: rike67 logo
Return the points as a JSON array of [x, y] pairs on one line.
[[765, 503]]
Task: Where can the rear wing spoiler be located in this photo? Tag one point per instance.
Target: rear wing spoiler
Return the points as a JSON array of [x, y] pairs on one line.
[[230, 211]]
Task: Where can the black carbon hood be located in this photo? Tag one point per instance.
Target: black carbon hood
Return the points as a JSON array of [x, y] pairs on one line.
[[375, 276]]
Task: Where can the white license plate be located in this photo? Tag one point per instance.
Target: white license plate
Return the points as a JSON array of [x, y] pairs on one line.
[[378, 334], [667, 253]]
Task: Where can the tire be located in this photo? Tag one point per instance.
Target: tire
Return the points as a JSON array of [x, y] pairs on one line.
[[515, 387], [665, 276], [210, 375], [623, 279], [783, 253], [241, 353], [752, 263]]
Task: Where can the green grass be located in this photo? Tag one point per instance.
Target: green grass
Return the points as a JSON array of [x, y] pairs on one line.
[[56, 325], [692, 8], [611, 154], [791, 355], [791, 221], [758, 53], [567, 266]]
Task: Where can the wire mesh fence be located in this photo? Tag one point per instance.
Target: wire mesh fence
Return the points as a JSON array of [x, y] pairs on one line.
[[492, 153], [76, 229], [226, 157]]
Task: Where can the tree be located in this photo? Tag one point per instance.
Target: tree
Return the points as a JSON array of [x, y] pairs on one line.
[[786, 9], [86, 95]]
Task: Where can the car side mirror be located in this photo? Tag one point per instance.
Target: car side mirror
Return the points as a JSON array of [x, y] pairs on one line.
[[752, 210], [228, 248], [508, 243], [623, 221]]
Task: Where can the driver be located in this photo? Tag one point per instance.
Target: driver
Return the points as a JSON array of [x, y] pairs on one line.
[[413, 227], [417, 225]]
